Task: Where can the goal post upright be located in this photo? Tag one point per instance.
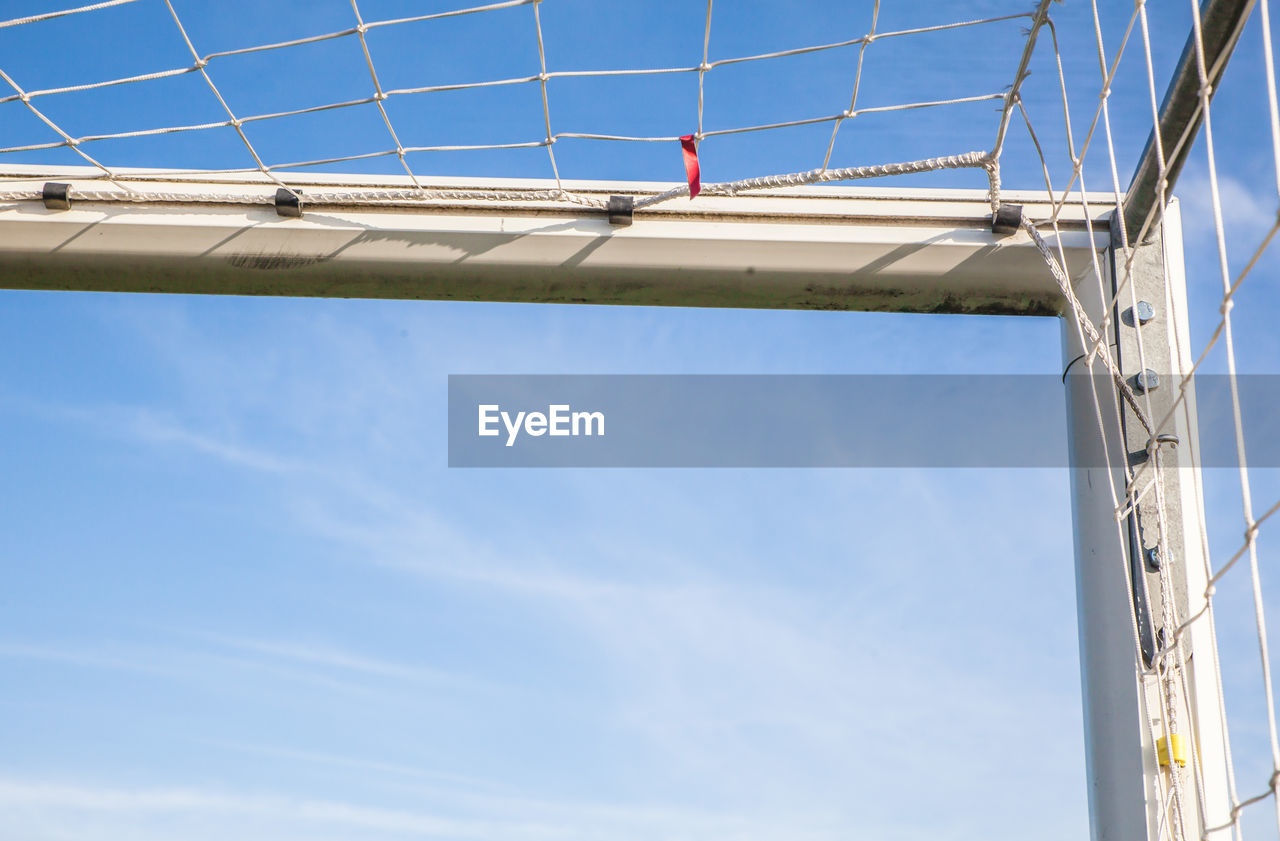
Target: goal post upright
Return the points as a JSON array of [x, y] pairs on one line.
[[1112, 597], [1122, 618], [1119, 759]]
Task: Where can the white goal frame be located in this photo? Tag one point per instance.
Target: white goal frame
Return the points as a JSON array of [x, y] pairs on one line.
[[794, 248]]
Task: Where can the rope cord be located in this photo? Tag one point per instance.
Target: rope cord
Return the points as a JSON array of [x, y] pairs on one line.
[[202, 63], [1170, 678]]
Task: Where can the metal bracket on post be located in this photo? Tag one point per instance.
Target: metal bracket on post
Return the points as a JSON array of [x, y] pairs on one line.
[[1145, 561], [1143, 352], [1167, 569], [1141, 596], [1145, 356], [1132, 581]]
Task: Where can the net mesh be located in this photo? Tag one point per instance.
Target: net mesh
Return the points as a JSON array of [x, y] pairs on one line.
[[1185, 791], [1105, 90], [545, 135]]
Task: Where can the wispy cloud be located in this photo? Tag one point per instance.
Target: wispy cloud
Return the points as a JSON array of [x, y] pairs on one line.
[[42, 811], [146, 426], [220, 670], [334, 658], [155, 429], [700, 665], [733, 682], [791, 711], [457, 783], [47, 810], [112, 658]]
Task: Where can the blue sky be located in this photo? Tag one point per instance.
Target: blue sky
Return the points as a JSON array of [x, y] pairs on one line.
[[243, 596]]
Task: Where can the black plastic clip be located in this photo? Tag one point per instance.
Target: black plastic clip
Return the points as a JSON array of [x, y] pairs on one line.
[[289, 203], [1138, 561], [56, 196], [1007, 219], [621, 210]]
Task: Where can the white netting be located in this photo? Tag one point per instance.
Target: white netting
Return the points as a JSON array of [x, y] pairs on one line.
[[1129, 53], [545, 136], [1183, 791]]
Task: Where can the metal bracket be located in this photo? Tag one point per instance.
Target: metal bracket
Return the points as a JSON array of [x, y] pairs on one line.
[[1142, 561], [1138, 591]]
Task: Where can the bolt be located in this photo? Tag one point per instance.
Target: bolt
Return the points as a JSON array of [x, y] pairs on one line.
[[1144, 312], [1153, 559], [1148, 380]]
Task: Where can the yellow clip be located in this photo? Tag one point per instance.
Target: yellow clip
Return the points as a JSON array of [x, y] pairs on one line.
[[1179, 750]]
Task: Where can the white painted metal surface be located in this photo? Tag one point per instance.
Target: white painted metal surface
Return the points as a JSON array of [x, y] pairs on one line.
[[830, 248], [1205, 699], [1119, 756], [1122, 712]]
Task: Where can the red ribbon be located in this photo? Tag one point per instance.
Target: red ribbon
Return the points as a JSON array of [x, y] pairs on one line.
[[691, 169]]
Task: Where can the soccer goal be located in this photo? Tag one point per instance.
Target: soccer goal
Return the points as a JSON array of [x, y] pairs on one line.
[[1010, 195]]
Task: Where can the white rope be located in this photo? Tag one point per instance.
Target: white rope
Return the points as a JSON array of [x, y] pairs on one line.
[[63, 13], [1037, 21], [1078, 313], [426, 195], [232, 120], [1171, 678], [1246, 498], [200, 64], [702, 70], [857, 83], [67, 140], [379, 96]]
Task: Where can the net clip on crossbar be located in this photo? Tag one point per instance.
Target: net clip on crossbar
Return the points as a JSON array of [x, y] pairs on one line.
[[621, 210], [289, 203], [1007, 219], [56, 195]]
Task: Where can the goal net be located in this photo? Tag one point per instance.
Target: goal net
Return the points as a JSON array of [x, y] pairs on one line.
[[545, 103], [563, 112]]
